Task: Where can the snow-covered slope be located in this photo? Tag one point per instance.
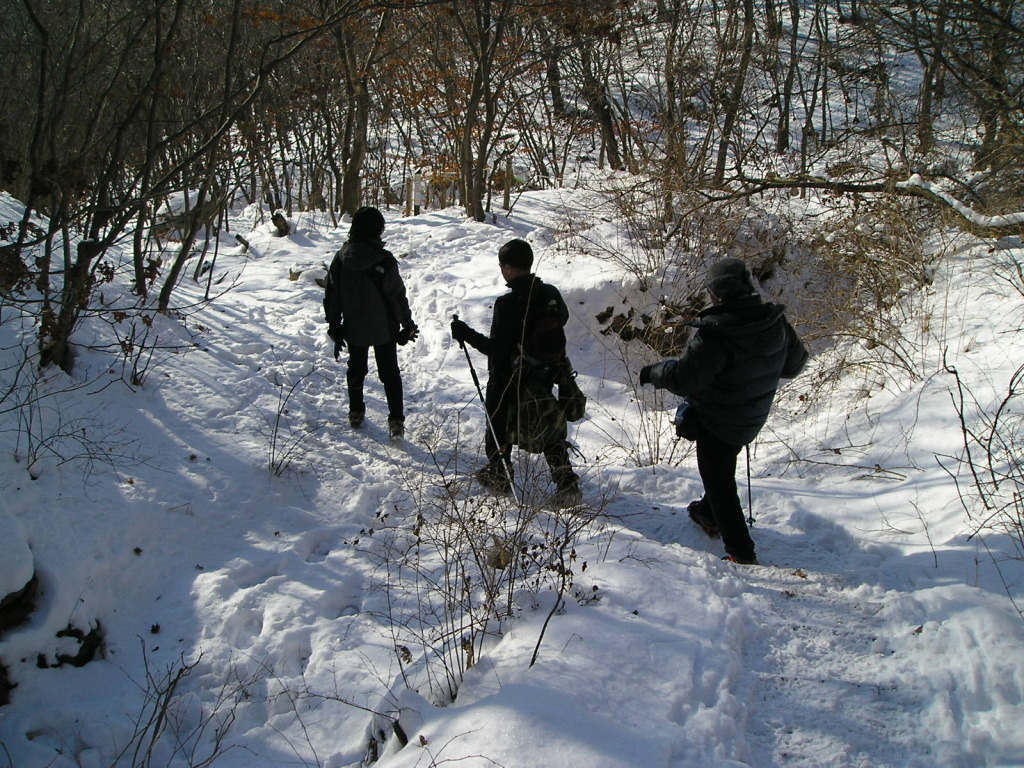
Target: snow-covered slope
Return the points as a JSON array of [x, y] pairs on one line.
[[876, 633]]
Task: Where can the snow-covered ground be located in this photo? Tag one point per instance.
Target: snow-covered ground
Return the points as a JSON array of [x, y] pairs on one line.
[[876, 632]]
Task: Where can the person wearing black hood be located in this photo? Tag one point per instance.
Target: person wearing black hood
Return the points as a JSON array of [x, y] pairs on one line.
[[728, 375], [366, 306]]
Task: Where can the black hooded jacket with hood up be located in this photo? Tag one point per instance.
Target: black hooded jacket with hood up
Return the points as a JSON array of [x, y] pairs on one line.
[[371, 301], [730, 369]]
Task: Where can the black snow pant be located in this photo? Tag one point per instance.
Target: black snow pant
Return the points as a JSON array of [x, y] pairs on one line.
[[386, 356], [716, 462]]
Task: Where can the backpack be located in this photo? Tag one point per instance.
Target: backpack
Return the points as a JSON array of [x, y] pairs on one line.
[[543, 364], [333, 309], [543, 343], [332, 296]]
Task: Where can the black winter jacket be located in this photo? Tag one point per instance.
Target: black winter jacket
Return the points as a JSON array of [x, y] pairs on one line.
[[730, 369], [502, 346], [371, 299]]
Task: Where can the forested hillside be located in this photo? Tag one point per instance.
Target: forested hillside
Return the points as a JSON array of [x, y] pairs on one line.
[[148, 126]]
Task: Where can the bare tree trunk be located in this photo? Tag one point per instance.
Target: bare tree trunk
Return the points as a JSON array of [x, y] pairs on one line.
[[925, 121], [472, 164], [359, 58], [595, 92], [55, 344], [188, 238], [355, 143], [552, 73], [139, 252], [739, 81], [993, 86], [484, 36], [783, 136]]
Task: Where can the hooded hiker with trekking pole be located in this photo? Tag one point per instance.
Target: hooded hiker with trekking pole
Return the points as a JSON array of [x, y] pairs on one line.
[[525, 359], [728, 375]]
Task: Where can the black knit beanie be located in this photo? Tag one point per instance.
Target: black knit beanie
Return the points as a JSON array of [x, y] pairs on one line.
[[730, 279]]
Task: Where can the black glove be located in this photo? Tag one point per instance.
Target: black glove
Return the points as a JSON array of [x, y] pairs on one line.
[[460, 331], [645, 375], [336, 331], [408, 333]]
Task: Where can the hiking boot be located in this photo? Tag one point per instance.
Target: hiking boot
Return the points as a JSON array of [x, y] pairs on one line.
[[741, 559], [494, 477], [355, 418], [396, 428], [699, 515]]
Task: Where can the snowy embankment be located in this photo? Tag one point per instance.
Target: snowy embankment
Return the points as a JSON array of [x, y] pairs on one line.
[[876, 634]]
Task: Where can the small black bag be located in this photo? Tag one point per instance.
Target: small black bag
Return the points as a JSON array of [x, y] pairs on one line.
[[686, 421], [570, 396]]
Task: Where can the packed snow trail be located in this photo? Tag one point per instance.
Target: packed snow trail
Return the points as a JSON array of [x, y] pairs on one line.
[[823, 689]]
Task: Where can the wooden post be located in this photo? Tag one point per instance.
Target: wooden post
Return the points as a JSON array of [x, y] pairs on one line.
[[508, 183], [417, 191]]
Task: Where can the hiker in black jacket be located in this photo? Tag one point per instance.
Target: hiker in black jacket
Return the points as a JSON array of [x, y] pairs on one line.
[[728, 375], [366, 306], [512, 371]]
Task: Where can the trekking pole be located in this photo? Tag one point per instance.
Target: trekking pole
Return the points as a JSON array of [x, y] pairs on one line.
[[487, 416], [750, 497]]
